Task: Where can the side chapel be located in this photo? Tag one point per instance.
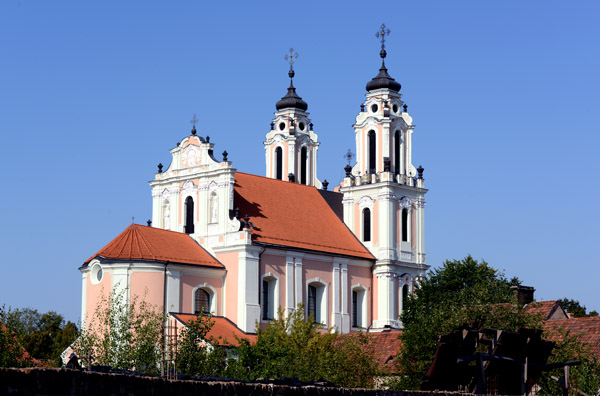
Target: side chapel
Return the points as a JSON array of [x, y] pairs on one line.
[[241, 246]]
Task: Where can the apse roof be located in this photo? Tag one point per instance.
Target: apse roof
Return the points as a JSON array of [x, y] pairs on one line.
[[293, 215], [138, 242]]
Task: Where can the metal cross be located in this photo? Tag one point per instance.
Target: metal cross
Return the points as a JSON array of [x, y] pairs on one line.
[[384, 32], [194, 120], [291, 57], [348, 156]]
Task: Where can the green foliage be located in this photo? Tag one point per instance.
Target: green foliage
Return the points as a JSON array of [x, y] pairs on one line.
[[461, 293], [124, 336], [198, 354], [574, 307], [44, 336], [11, 351], [295, 347], [585, 377]]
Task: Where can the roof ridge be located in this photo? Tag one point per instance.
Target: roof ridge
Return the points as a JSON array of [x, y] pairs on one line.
[[279, 180], [150, 248]]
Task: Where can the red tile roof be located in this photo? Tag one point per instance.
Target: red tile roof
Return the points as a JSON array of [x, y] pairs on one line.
[[223, 331], [546, 309], [293, 215], [588, 330], [140, 242], [387, 344]]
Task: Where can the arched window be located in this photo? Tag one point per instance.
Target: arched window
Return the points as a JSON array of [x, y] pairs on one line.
[[404, 295], [371, 147], [359, 317], [189, 215], [312, 301], [269, 294], [404, 225], [279, 163], [303, 165], [397, 152], [366, 214], [317, 301], [201, 302]]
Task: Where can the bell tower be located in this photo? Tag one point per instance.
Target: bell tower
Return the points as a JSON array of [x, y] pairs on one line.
[[383, 194], [291, 145]]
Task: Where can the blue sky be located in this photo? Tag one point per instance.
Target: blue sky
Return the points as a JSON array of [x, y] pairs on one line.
[[504, 96]]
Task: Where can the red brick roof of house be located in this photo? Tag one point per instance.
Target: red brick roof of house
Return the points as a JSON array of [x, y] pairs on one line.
[[588, 330], [223, 331], [387, 344], [548, 310], [138, 242], [294, 215]]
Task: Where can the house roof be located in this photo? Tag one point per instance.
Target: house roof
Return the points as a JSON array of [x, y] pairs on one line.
[[548, 310], [140, 242], [223, 331], [588, 330], [387, 345], [293, 215]]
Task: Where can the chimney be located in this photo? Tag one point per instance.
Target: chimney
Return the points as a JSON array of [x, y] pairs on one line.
[[524, 293]]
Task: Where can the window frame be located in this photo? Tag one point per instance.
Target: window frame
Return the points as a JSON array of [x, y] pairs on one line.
[[212, 293], [273, 281], [322, 303]]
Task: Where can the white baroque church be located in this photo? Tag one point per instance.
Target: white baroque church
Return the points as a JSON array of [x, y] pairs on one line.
[[242, 246]]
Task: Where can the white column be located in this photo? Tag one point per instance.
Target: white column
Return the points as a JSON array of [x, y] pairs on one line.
[[291, 155], [248, 289], [120, 280], [173, 292], [298, 280], [386, 301], [344, 290], [387, 229], [84, 277], [336, 317], [289, 285]]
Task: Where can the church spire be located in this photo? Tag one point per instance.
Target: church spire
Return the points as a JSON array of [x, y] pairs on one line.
[[291, 99], [383, 79]]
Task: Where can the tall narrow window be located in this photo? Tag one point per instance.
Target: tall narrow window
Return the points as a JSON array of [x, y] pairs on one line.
[[312, 302], [404, 296], [189, 215], [404, 225], [372, 162], [279, 163], [303, 165], [201, 302], [366, 224], [354, 308], [265, 295], [397, 152]]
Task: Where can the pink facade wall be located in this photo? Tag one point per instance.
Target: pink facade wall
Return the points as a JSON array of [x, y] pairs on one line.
[[94, 294], [149, 287], [190, 282], [230, 261]]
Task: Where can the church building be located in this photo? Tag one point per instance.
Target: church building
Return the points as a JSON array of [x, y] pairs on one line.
[[245, 247]]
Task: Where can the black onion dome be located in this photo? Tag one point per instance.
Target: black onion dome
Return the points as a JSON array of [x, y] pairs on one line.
[[383, 79], [291, 99]]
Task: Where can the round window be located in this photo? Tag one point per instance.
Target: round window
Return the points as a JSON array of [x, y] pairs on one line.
[[395, 108], [281, 126], [96, 274], [301, 126], [374, 108]]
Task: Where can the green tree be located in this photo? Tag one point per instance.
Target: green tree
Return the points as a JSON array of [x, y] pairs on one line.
[[122, 335], [197, 353], [574, 307], [460, 293], [295, 347], [44, 336], [584, 377]]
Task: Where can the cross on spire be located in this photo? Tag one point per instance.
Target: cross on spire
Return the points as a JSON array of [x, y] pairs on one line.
[[381, 35], [194, 120], [291, 57]]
